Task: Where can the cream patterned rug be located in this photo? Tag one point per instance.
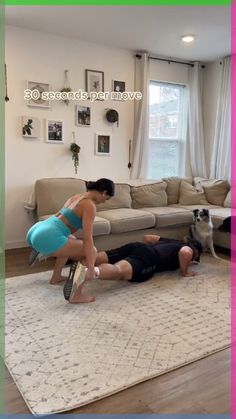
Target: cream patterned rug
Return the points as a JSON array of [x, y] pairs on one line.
[[62, 356]]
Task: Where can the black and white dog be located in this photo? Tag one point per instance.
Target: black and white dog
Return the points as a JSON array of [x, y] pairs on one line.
[[202, 230]]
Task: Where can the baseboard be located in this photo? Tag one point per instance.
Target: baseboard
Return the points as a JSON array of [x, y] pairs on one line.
[[15, 244]]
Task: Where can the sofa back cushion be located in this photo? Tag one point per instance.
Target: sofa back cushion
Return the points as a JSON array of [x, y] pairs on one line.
[[150, 195], [227, 201], [52, 193], [173, 186], [214, 189], [189, 195], [121, 199]]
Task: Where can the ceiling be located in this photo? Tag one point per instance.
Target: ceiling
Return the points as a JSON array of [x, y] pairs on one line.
[[156, 29]]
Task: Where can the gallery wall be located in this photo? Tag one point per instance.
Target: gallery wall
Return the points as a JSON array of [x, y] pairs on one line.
[[35, 56]]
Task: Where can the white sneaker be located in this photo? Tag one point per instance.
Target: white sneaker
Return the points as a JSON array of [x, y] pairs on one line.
[[75, 279], [79, 278]]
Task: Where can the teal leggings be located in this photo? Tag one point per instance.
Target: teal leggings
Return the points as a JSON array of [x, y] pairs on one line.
[[48, 236]]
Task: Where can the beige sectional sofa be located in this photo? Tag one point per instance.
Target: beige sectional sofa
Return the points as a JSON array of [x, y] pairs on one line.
[[140, 207]]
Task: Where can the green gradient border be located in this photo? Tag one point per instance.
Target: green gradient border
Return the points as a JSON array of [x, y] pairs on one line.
[[119, 2], [2, 207]]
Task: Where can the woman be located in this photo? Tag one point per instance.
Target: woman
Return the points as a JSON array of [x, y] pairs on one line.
[[52, 237]]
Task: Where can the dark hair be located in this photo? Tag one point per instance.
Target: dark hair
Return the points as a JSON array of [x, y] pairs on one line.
[[195, 245], [102, 185]]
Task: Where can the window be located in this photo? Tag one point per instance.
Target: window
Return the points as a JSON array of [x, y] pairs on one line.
[[167, 129]]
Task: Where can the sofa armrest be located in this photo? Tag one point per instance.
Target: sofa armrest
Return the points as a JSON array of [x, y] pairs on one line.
[[30, 205]]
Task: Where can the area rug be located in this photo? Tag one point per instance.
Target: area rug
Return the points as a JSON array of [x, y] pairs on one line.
[[63, 356]]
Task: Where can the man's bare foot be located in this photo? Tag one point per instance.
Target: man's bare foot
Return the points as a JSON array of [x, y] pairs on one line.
[[80, 298], [57, 280]]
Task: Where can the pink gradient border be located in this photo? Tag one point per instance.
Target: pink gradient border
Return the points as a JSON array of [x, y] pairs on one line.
[[233, 205]]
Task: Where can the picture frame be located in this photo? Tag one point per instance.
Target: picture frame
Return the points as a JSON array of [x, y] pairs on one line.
[[83, 116], [118, 86], [54, 131], [94, 81], [102, 144], [36, 98], [30, 127]]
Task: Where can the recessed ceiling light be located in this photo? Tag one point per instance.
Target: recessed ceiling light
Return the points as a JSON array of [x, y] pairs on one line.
[[187, 38]]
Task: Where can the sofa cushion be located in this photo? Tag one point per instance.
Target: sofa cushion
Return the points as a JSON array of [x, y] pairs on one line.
[[128, 219], [215, 189], [227, 201], [189, 195], [52, 193], [121, 199], [169, 216], [172, 190], [150, 195]]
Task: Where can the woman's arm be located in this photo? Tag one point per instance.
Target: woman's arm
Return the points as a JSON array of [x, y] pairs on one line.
[[88, 215], [185, 258]]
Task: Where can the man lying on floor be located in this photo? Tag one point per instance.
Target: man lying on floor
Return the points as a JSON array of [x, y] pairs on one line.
[[138, 262]]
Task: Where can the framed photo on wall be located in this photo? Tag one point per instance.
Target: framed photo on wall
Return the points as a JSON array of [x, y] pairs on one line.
[[54, 131], [94, 81], [30, 127], [83, 116], [103, 144], [118, 86], [37, 88]]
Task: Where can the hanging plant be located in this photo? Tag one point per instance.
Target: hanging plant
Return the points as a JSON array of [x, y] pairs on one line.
[[66, 87], [75, 150]]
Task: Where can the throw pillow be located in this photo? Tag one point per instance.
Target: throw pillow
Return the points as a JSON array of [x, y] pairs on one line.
[[121, 199], [189, 195], [152, 195], [215, 189], [172, 190], [227, 201]]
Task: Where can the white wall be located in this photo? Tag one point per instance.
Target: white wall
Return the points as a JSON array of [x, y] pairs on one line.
[[43, 57], [211, 82], [165, 72]]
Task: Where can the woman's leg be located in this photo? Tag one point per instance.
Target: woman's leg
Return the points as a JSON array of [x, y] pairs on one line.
[[56, 275], [73, 249]]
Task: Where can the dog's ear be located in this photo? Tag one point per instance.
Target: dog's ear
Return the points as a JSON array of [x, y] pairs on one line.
[[205, 212], [195, 212]]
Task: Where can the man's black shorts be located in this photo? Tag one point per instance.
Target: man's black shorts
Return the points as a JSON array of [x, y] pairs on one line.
[[140, 256]]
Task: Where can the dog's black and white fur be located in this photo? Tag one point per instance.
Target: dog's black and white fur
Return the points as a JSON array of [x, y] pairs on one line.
[[202, 230]]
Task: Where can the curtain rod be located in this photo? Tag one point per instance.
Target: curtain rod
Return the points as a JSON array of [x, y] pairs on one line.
[[166, 60]]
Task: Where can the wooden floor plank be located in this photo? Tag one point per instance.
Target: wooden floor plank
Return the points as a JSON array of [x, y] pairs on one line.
[[200, 387]]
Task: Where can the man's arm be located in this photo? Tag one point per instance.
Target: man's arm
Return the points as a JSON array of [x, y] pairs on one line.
[[185, 258]]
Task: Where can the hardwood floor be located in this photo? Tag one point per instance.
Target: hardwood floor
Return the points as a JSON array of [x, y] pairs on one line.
[[200, 387]]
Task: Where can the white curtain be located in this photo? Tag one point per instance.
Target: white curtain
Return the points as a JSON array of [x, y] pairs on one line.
[[195, 137], [141, 120], [220, 159]]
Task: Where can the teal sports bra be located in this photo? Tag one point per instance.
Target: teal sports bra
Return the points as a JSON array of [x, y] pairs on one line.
[[73, 219]]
